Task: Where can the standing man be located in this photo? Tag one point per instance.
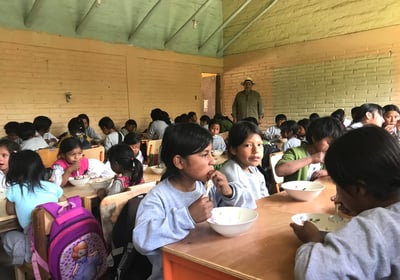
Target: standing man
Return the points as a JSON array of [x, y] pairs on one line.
[[247, 103]]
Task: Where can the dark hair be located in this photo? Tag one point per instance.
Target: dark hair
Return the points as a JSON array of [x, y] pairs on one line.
[[10, 145], [290, 126], [339, 114], [350, 162], [42, 123], [132, 138], [191, 115], [123, 155], [212, 122], [205, 118], [356, 114], [182, 139], [83, 117], [280, 117], [313, 116], [11, 127], [75, 125], [390, 107], [323, 127], [68, 144], [106, 122], [240, 131], [25, 168], [251, 119], [304, 123], [26, 130], [130, 122], [370, 108], [156, 114], [182, 118]]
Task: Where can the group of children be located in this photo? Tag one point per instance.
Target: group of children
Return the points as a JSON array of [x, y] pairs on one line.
[[170, 210], [22, 175]]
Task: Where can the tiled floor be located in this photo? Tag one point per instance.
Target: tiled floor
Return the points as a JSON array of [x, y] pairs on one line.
[[6, 269]]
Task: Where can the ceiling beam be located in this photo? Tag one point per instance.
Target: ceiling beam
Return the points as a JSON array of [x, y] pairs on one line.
[[221, 27], [143, 21], [83, 23], [200, 9], [220, 52], [33, 13]]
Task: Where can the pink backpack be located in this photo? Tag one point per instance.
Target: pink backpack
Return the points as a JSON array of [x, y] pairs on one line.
[[77, 249]]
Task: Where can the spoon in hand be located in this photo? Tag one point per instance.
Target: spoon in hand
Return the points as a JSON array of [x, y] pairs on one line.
[[336, 218]]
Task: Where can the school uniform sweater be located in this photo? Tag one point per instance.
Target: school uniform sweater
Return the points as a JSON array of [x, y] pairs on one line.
[[366, 248], [163, 217]]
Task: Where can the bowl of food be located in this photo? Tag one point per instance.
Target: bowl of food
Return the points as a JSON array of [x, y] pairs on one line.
[[100, 182], [158, 169], [302, 190], [324, 222], [79, 180], [217, 153], [232, 221]]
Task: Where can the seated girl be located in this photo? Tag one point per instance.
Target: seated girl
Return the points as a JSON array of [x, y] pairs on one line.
[[246, 151], [133, 140], [7, 147], [306, 162], [172, 209], [72, 163], [128, 169], [26, 190], [368, 188]]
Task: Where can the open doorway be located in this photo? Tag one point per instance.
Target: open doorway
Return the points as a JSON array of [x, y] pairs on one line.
[[210, 90]]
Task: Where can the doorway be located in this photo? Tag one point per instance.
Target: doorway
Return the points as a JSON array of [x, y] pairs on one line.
[[210, 91]]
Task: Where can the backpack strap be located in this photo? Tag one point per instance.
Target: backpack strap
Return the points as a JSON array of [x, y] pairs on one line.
[[55, 209], [37, 260]]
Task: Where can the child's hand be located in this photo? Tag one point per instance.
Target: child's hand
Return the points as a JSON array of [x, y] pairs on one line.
[[318, 157], [74, 167], [200, 210], [319, 173], [307, 232], [221, 183]]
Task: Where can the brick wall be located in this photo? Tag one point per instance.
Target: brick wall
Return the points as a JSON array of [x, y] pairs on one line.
[[289, 22], [320, 76], [113, 80]]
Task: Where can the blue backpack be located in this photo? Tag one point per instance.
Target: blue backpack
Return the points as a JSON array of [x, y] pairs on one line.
[[76, 246]]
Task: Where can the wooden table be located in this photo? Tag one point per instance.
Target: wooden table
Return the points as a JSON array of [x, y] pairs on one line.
[[266, 251]]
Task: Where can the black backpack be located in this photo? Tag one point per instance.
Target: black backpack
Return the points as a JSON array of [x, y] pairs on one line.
[[128, 263]]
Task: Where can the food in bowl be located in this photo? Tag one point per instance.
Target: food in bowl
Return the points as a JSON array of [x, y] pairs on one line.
[[79, 180], [101, 182], [321, 221], [158, 169], [302, 190], [217, 153], [232, 221]]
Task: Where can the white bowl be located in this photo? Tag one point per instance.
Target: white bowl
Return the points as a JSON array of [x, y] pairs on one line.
[[232, 221], [144, 166], [302, 190], [158, 169], [320, 220], [79, 182], [217, 153], [100, 183]]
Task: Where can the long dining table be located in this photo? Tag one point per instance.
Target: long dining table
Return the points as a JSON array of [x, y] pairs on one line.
[[87, 193], [266, 251]]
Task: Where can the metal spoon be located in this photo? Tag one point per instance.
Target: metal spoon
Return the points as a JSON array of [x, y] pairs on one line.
[[336, 218]]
